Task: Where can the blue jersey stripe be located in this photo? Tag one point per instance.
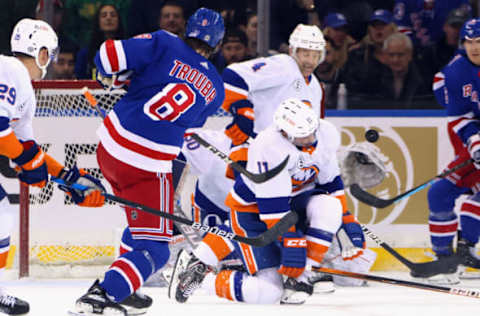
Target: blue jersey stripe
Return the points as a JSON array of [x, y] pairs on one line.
[[231, 77], [273, 205]]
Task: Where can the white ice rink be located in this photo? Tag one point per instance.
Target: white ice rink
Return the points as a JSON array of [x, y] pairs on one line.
[[56, 297]]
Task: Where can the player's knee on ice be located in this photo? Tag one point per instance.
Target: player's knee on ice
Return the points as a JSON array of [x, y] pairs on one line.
[[266, 287]]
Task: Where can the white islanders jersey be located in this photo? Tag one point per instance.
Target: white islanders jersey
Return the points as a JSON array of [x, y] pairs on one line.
[[209, 168], [268, 81], [17, 98], [303, 170]]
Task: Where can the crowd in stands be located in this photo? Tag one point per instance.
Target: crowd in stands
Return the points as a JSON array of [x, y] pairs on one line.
[[384, 53]]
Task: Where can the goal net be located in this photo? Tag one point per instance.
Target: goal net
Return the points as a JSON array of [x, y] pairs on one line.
[[57, 238]]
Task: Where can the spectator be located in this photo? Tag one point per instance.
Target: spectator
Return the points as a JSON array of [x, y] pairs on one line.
[[106, 25], [233, 49], [251, 32], [328, 73], [12, 11], [64, 67], [423, 20], [367, 62], [433, 58], [172, 18], [336, 27], [80, 15], [403, 83]]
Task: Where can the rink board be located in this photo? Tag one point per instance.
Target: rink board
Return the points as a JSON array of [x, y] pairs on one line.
[[416, 148]]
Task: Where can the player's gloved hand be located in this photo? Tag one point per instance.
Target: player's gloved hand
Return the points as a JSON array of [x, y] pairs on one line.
[[241, 127], [91, 197], [474, 149], [294, 254], [31, 165], [351, 238], [116, 81]]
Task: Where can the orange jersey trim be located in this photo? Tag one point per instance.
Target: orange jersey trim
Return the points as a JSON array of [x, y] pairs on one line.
[[222, 284], [218, 245], [10, 146], [231, 97]]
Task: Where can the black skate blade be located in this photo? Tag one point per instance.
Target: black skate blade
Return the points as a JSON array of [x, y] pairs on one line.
[[73, 313]]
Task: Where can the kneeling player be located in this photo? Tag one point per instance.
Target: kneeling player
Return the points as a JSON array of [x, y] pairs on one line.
[[310, 185]]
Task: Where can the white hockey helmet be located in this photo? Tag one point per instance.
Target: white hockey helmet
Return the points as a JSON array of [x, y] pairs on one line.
[[308, 37], [30, 36], [295, 118]]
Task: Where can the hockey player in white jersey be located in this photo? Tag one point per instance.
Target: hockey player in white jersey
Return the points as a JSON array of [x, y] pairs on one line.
[[310, 185], [255, 88], [34, 45], [212, 187]]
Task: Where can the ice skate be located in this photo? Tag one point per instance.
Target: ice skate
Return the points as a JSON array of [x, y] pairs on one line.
[[295, 292], [187, 276], [97, 302], [441, 271], [137, 303], [12, 305], [322, 283], [467, 255]]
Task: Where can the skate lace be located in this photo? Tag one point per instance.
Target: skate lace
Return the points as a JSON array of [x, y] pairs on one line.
[[7, 300], [190, 288]]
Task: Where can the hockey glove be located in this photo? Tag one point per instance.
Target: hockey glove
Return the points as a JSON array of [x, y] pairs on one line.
[[31, 165], [91, 197], [241, 127], [294, 254], [116, 81], [474, 149], [351, 238]]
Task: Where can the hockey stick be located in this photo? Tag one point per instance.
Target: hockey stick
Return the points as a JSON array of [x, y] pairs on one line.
[[255, 177], [372, 200], [425, 269], [368, 277], [261, 240]]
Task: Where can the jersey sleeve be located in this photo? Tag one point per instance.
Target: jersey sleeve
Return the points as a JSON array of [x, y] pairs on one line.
[[455, 95], [247, 77], [136, 53], [272, 196]]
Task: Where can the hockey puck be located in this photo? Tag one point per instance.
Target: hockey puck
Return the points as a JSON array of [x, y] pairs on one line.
[[371, 135]]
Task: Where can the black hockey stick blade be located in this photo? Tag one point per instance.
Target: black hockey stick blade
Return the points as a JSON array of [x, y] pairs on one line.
[[420, 270], [473, 293], [368, 198], [372, 200], [261, 240], [255, 177]]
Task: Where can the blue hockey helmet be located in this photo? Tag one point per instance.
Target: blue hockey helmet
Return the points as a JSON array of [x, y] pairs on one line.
[[206, 25], [470, 30]]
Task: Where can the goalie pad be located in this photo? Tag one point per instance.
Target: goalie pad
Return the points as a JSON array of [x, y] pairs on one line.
[[364, 164]]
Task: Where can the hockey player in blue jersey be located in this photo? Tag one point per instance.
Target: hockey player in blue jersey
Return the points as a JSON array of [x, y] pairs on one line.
[[423, 19], [173, 88], [457, 88]]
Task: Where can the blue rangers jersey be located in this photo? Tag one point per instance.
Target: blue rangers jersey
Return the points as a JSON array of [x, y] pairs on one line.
[[423, 19], [172, 89], [457, 88]]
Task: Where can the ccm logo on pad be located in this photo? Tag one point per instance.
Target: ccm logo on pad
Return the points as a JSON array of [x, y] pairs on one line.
[[296, 243]]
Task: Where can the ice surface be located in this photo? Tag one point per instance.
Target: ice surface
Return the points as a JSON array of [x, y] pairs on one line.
[[56, 297]]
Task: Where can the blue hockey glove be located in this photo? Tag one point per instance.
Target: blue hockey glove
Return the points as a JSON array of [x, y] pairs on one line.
[[111, 82], [351, 238], [241, 127], [31, 165], [91, 197], [474, 149], [294, 254]]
